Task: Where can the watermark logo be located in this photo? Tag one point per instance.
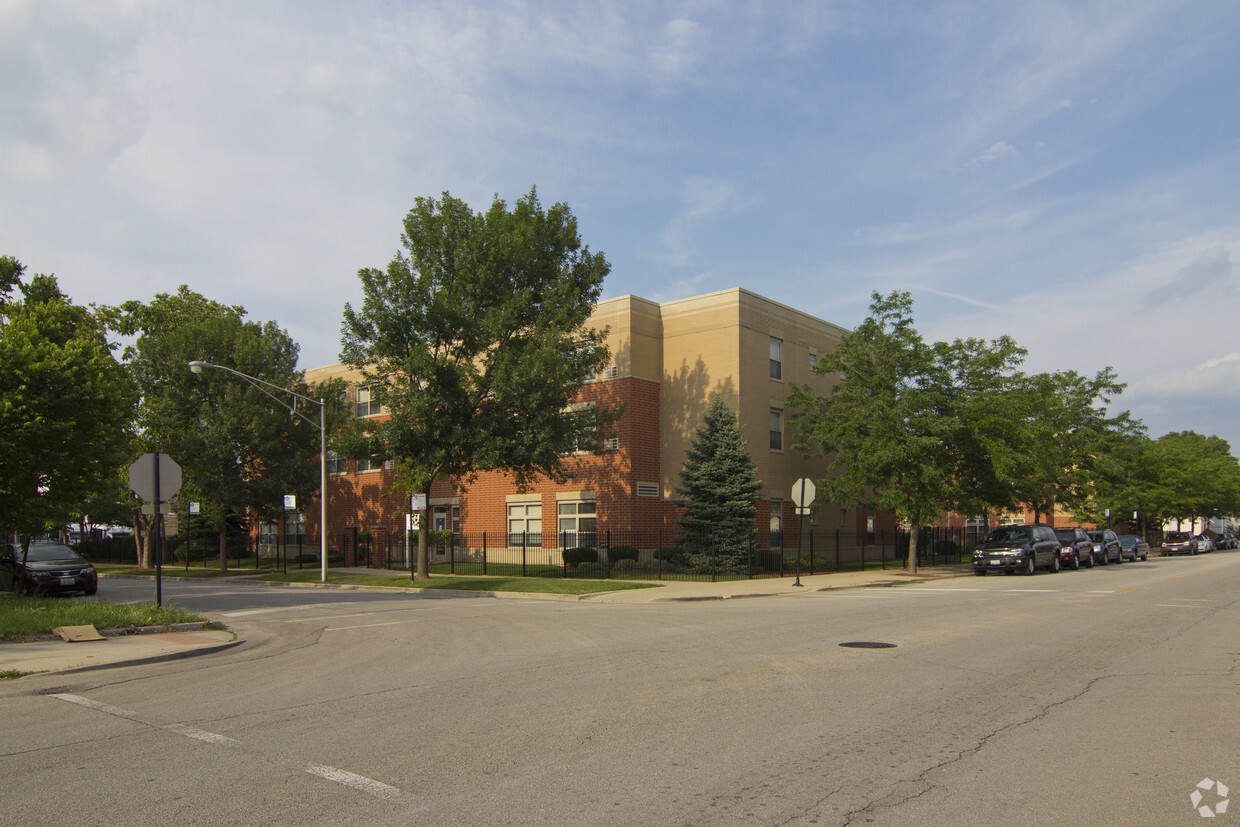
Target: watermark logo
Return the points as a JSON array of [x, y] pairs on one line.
[[1217, 795]]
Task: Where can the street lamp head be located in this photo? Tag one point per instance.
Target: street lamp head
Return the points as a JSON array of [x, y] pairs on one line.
[[196, 366]]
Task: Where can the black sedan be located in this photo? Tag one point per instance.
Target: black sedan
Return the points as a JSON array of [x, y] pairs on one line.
[[1133, 547], [46, 568]]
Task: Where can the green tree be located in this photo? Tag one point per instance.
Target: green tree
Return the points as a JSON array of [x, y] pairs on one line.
[[66, 405], [718, 492], [914, 428], [239, 447], [1065, 436], [474, 338], [885, 423], [1198, 476]]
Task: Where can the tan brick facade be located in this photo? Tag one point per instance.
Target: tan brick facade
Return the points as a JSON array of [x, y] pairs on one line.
[[667, 360]]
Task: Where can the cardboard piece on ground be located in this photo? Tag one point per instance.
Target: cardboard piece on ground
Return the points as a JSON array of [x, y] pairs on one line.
[[73, 634]]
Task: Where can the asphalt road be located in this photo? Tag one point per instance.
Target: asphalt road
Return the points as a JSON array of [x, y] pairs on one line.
[[1095, 697]]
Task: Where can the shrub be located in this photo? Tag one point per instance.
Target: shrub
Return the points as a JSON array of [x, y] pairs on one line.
[[589, 565], [625, 564], [618, 554], [580, 556], [946, 548]]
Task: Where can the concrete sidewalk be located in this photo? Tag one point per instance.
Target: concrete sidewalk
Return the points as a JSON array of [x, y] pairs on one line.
[[56, 655]]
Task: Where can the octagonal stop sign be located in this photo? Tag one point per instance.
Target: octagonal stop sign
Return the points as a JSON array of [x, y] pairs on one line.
[[803, 493], [149, 467]]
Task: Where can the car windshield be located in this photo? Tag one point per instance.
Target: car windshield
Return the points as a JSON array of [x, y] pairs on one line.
[[1065, 534], [1009, 534], [1176, 537], [1127, 540], [50, 554]]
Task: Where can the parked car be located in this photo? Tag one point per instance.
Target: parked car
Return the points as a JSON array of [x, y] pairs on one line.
[[1023, 548], [1205, 543], [1133, 547], [1225, 540], [46, 568], [1075, 547], [1179, 542], [1106, 547]]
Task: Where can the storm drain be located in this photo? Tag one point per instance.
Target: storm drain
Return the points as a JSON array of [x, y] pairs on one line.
[[867, 644]]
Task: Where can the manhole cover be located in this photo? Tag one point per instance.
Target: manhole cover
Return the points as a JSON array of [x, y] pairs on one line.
[[868, 644]]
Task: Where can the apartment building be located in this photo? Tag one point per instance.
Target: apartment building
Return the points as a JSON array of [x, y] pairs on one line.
[[667, 360]]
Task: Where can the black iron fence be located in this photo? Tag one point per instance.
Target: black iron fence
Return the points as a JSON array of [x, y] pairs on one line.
[[661, 555]]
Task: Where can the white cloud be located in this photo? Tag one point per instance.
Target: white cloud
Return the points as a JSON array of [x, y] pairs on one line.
[[704, 198], [1213, 268], [996, 152], [1217, 378]]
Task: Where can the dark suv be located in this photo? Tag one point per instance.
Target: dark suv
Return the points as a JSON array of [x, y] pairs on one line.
[[1076, 549], [1024, 548], [1106, 547]]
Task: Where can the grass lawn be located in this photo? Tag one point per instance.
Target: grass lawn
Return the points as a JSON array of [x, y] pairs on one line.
[[170, 571], [535, 585], [26, 617]]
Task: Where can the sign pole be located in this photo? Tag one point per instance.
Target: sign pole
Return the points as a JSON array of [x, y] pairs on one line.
[[159, 521]]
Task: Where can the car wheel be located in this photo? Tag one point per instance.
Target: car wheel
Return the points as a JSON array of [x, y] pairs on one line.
[[1031, 566], [1103, 561], [1089, 561], [1119, 558], [1055, 563], [89, 591], [1196, 551], [1076, 561]]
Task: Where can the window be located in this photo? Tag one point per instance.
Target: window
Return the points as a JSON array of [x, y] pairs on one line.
[[367, 402], [371, 463], [1012, 519], [777, 524], [525, 521], [813, 361], [336, 464], [445, 518], [577, 523], [777, 429], [294, 528], [777, 363]]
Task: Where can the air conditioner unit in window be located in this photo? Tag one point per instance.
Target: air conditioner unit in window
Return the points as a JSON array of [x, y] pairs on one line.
[[611, 444], [611, 372]]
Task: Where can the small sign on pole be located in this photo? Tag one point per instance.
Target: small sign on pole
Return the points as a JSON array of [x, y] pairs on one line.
[[417, 502], [290, 502]]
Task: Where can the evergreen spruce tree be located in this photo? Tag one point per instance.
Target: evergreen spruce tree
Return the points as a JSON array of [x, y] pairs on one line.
[[719, 492]]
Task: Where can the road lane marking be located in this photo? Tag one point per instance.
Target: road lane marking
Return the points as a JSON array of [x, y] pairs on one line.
[[369, 625], [269, 610], [352, 780]]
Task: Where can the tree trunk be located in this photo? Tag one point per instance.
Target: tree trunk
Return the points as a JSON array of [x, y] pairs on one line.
[[914, 538]]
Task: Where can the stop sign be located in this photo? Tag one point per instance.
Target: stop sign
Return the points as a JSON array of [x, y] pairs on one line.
[[803, 493], [142, 477]]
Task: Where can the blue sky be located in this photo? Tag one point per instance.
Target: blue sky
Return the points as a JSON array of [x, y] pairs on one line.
[[1063, 172]]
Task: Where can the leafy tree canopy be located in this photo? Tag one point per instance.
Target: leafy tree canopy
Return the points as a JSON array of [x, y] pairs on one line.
[[239, 445], [66, 405], [474, 338]]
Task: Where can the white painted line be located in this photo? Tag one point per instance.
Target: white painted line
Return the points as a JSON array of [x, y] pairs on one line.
[[1031, 591], [247, 612], [349, 779], [369, 625], [203, 735]]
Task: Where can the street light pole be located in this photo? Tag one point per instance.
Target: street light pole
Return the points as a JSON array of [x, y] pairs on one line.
[[197, 366]]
